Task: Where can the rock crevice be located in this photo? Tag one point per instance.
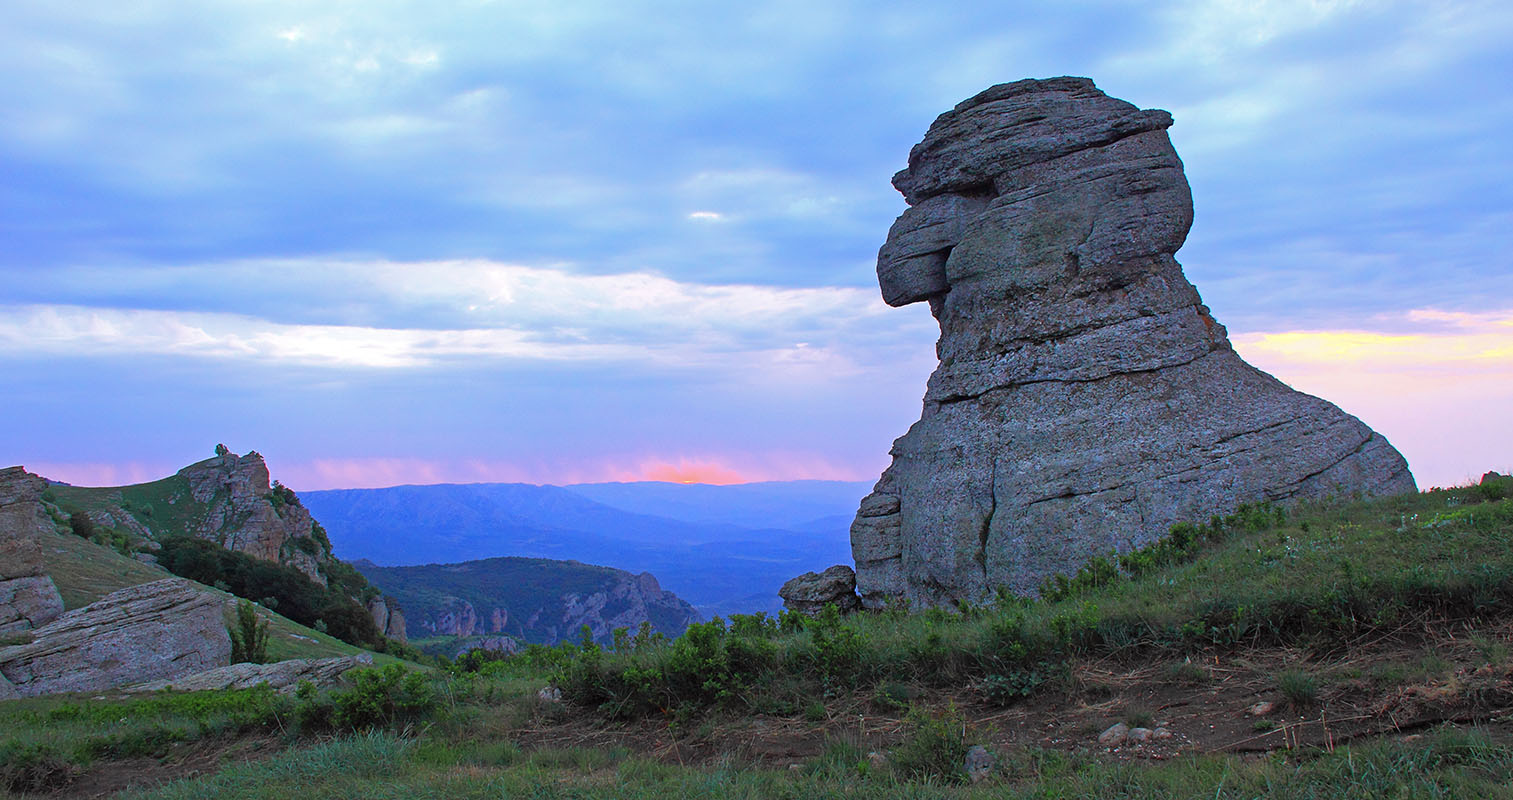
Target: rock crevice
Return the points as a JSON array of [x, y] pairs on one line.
[[1086, 399]]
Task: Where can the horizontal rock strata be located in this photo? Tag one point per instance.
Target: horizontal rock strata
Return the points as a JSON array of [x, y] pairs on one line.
[[159, 630], [1086, 400], [283, 676]]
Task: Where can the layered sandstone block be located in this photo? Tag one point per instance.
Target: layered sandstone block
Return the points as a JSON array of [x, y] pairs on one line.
[[1085, 400]]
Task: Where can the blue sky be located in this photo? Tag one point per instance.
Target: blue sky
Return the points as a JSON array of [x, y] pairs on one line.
[[405, 242]]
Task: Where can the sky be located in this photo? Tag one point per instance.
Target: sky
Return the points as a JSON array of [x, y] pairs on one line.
[[391, 242]]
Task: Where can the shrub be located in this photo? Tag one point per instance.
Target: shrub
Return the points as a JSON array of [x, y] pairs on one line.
[[249, 637], [934, 747], [82, 526], [1299, 687], [32, 768], [377, 698], [1016, 685]]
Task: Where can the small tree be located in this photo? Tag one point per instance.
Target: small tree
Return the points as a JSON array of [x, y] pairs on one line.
[[80, 523], [249, 638]]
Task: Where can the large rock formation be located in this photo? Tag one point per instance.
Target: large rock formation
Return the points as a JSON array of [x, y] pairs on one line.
[[1085, 399], [155, 631], [28, 597], [243, 512]]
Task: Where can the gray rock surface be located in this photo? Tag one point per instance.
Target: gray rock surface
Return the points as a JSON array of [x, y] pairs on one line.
[[388, 617], [979, 763], [284, 676], [811, 592], [28, 597], [1085, 400], [159, 630]]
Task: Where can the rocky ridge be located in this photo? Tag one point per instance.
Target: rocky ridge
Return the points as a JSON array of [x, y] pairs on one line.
[[536, 600], [1086, 400]]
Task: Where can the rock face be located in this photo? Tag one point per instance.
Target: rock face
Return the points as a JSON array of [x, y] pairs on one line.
[[28, 597], [811, 592], [285, 676], [1085, 400], [388, 617], [244, 513], [159, 630]]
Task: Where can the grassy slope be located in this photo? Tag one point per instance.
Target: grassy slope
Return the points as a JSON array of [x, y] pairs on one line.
[[164, 506], [84, 572]]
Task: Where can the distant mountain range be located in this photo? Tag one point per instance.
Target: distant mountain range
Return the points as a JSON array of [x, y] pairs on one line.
[[725, 549]]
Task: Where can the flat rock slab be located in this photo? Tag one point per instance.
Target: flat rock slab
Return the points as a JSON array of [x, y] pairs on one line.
[[158, 630], [284, 676], [1086, 400]]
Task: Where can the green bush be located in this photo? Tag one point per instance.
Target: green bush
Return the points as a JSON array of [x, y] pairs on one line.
[[378, 698], [934, 747], [249, 637]]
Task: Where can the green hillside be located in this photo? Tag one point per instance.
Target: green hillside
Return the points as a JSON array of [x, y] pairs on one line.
[[85, 571]]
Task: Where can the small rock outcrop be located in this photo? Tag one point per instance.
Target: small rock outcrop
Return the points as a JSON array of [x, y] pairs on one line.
[[811, 592], [1085, 399], [388, 617], [507, 645], [156, 631], [28, 597], [284, 676]]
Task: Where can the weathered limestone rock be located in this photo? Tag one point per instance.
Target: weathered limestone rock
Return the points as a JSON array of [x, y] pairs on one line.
[[244, 514], [387, 617], [158, 630], [28, 597], [811, 592], [284, 676], [1086, 400]]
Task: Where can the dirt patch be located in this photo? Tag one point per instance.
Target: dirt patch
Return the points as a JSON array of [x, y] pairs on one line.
[[183, 760]]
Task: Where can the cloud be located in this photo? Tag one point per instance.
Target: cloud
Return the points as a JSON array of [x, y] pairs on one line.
[[473, 310]]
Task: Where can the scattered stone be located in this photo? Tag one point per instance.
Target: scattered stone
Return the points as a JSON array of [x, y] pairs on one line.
[[1261, 709], [979, 763], [1114, 736], [550, 694], [156, 631], [284, 676], [811, 592], [877, 760], [1162, 733], [1141, 735], [146, 558], [1085, 399]]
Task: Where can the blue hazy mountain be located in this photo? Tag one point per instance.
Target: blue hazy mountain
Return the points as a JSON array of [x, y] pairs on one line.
[[726, 549]]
